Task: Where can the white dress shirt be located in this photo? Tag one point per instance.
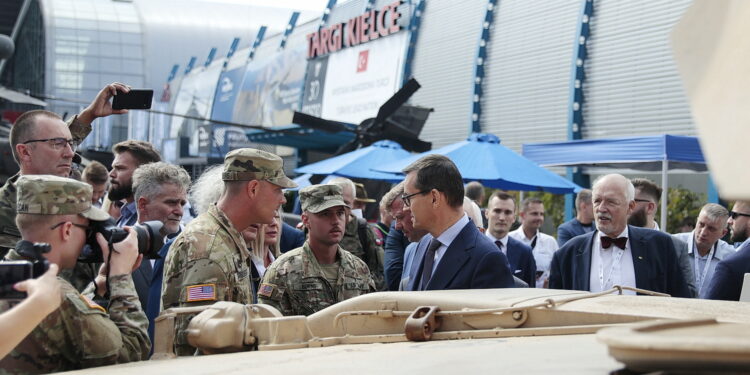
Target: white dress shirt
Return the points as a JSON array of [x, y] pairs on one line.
[[503, 240], [447, 237], [607, 269], [543, 251]]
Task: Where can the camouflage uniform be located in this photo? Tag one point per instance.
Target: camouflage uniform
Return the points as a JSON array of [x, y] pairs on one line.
[[373, 259], [80, 333], [295, 283], [8, 231], [209, 260]]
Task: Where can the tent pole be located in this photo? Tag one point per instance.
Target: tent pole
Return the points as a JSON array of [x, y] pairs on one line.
[[664, 191]]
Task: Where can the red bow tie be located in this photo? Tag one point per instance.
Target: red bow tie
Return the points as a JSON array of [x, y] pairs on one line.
[[619, 242]]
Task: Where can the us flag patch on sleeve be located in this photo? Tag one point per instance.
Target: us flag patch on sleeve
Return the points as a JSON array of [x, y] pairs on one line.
[[266, 290], [202, 292]]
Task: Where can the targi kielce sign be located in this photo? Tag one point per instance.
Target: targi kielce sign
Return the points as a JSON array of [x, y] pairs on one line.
[[361, 29]]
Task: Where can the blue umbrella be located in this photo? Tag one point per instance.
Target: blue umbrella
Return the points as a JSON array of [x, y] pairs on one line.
[[304, 181], [358, 163], [482, 158]]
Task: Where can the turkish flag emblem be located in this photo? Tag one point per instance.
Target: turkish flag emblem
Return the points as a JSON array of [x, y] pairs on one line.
[[362, 61]]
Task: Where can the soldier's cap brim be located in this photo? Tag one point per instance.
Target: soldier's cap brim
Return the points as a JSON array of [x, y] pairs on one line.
[[365, 200], [283, 181], [95, 213], [326, 205]]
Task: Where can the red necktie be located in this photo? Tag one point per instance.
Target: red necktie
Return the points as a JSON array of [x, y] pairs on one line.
[[619, 242]]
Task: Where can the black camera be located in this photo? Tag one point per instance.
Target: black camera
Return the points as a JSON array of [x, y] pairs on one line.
[[12, 272], [150, 239]]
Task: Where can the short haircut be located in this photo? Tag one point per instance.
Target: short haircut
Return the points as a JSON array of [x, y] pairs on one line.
[[208, 188], [95, 173], [474, 190], [344, 182], [144, 152], [583, 196], [438, 172], [23, 128], [149, 178], [529, 201], [391, 196], [629, 188], [715, 212], [503, 196], [647, 187], [28, 224]]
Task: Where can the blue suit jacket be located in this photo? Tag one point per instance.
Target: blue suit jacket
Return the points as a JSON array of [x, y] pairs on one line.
[[726, 283], [522, 262], [471, 261], [568, 230], [154, 291], [393, 259], [654, 261], [291, 238]]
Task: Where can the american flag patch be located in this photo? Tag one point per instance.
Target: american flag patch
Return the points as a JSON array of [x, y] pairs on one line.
[[203, 292], [266, 290]]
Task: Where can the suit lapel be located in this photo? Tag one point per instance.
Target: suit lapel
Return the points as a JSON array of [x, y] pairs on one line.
[[582, 275], [453, 259], [417, 262], [640, 261]]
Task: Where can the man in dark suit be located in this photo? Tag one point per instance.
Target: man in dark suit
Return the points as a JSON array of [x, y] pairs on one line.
[[501, 213], [726, 283], [455, 254], [291, 238], [617, 254], [581, 224]]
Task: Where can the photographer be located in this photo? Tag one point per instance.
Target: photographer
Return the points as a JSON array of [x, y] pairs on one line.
[[43, 298], [80, 333]]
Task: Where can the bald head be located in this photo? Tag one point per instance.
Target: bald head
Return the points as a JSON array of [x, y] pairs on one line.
[[613, 196]]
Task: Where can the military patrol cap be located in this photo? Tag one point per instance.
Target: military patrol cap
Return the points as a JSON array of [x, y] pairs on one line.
[[316, 198], [361, 195], [53, 195], [246, 164]]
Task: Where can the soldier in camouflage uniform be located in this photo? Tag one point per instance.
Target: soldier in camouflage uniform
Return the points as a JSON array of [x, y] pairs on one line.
[[209, 260], [80, 333], [320, 273], [366, 248], [34, 132]]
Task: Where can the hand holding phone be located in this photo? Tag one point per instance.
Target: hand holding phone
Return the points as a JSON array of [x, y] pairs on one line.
[[135, 99]]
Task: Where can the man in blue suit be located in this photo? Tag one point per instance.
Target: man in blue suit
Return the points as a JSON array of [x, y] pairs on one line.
[[455, 254], [726, 283], [617, 254], [501, 213], [291, 238], [581, 224]]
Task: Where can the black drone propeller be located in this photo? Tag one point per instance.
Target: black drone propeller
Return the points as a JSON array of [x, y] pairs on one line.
[[394, 121]]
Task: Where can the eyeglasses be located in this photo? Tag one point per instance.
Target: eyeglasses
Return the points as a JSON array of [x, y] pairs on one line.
[[57, 143], [642, 200], [734, 215], [84, 227], [407, 198]]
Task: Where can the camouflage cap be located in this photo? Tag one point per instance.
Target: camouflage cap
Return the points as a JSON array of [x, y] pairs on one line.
[[316, 198], [53, 195], [361, 195], [247, 164]]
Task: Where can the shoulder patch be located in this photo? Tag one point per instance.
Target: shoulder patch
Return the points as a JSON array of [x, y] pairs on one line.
[[266, 290], [201, 292], [90, 303]]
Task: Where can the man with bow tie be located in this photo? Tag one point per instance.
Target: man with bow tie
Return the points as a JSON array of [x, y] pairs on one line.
[[616, 253]]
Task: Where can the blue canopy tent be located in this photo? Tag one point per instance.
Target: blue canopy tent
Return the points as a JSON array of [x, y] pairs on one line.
[[358, 163], [482, 158], [650, 153]]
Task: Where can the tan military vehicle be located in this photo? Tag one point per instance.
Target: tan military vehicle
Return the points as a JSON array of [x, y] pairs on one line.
[[513, 330]]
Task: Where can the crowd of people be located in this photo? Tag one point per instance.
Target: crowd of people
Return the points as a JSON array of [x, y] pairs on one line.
[[433, 233]]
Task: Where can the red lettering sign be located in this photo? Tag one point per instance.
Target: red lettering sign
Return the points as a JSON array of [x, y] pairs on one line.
[[362, 60]]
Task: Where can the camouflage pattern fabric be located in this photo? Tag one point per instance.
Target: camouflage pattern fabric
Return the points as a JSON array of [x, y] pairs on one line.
[[209, 253], [373, 259], [52, 195], [296, 285], [317, 198], [80, 334], [9, 234], [247, 164]]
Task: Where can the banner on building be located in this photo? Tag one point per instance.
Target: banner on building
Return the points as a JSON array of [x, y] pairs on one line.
[[312, 100], [194, 99]]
